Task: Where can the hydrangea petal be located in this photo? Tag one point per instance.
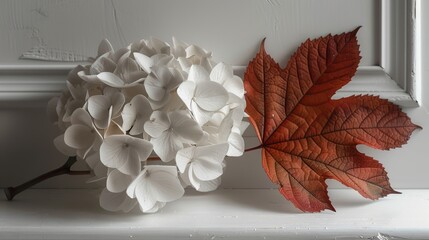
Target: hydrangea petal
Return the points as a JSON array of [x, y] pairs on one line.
[[235, 86], [141, 191], [77, 92], [107, 65], [210, 96], [113, 129], [207, 162], [128, 117], [208, 186], [176, 79], [194, 50], [131, 190], [154, 88], [144, 62], [164, 184], [102, 123], [98, 168], [166, 146], [116, 201], [118, 182], [104, 47], [195, 182], [156, 207], [200, 115], [159, 46], [198, 74], [236, 145], [79, 136], [98, 106], [88, 78], [102, 64], [133, 165], [62, 147], [186, 92], [184, 157], [127, 65], [185, 64], [142, 147], [73, 76], [185, 126], [135, 114], [117, 152], [221, 72], [158, 123], [159, 105], [161, 60], [184, 177], [117, 101], [178, 51], [163, 74], [120, 54], [111, 79], [80, 116], [133, 91]]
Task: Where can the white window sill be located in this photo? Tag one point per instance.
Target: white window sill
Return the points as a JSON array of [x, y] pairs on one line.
[[224, 214]]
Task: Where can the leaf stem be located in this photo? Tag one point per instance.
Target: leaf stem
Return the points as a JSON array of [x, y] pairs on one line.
[[253, 148], [11, 192]]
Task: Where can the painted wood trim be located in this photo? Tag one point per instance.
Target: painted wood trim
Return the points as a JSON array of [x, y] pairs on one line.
[[224, 214], [398, 44], [41, 83], [398, 61]]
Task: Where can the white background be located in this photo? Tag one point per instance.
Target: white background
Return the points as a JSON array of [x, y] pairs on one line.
[[231, 29]]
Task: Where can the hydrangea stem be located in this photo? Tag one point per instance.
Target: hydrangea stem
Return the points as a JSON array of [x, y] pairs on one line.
[[11, 192]]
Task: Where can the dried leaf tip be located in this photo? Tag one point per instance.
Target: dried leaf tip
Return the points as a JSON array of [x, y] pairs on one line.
[[354, 32], [262, 46]]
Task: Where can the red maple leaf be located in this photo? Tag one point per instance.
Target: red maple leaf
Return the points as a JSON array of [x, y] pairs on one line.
[[306, 137]]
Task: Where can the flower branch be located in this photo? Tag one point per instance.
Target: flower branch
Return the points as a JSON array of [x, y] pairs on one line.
[[11, 192]]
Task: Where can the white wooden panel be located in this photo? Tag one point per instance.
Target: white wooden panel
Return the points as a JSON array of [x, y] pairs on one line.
[[26, 134], [226, 214], [77, 26], [231, 29]]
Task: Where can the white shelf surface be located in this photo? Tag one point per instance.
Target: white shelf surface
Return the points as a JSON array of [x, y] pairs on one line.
[[224, 214]]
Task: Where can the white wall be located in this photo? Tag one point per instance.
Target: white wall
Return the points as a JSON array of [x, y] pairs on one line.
[[232, 29]]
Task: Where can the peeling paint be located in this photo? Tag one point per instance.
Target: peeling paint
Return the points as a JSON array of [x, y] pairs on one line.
[[44, 53]]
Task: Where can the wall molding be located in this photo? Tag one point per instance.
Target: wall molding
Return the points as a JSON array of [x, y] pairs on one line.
[[31, 86], [394, 79], [35, 85], [398, 44]]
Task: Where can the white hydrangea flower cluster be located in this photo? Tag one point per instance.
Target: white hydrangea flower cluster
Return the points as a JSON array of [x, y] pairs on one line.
[[170, 99]]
